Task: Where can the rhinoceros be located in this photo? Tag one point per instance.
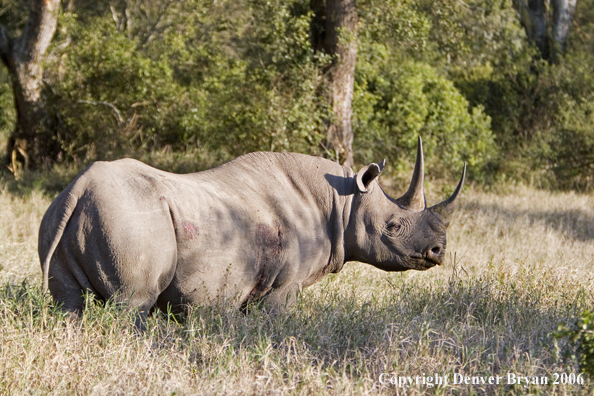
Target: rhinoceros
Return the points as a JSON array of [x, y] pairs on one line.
[[258, 228]]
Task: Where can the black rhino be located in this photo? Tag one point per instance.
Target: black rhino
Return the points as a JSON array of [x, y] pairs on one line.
[[261, 226]]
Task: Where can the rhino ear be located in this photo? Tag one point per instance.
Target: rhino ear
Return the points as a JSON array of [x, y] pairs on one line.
[[368, 174]]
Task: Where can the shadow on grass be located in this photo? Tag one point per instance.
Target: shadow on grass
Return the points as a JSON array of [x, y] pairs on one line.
[[573, 223], [495, 323]]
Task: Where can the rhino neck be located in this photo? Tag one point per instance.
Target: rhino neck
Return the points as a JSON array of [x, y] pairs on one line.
[[343, 190], [351, 253], [361, 230]]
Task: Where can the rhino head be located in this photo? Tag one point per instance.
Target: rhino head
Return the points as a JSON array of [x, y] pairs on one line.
[[398, 234]]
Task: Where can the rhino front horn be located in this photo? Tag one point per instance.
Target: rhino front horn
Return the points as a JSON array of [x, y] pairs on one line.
[[414, 198], [446, 208]]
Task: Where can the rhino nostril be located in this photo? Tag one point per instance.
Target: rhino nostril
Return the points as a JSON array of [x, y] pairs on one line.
[[436, 250]]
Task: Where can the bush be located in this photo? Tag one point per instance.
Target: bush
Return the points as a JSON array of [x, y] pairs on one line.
[[221, 78], [581, 338], [412, 100], [234, 77], [215, 79]]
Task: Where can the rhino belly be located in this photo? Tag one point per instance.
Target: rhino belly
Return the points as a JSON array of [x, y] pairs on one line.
[[230, 265], [213, 272]]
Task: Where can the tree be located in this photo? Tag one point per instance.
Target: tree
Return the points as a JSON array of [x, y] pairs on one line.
[[335, 31], [535, 17], [23, 56]]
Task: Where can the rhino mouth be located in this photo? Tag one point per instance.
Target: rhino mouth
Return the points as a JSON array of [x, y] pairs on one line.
[[430, 263], [411, 259], [424, 261]]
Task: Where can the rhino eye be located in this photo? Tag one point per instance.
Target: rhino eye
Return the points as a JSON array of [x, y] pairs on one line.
[[393, 227]]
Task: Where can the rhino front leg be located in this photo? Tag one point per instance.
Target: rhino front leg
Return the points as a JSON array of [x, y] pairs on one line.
[[273, 301], [280, 299]]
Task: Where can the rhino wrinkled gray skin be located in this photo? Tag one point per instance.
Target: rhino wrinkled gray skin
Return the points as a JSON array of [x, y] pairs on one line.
[[259, 227]]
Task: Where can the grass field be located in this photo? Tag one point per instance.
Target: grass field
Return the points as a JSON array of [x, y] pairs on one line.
[[520, 262]]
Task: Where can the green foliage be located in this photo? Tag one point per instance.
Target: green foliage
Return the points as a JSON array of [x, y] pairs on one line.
[[210, 74], [109, 96], [540, 112], [393, 25], [400, 95], [13, 13], [7, 109], [581, 338], [232, 77], [413, 100], [209, 80]]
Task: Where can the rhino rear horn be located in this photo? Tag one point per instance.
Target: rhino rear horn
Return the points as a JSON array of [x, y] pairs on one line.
[[414, 198], [446, 208]]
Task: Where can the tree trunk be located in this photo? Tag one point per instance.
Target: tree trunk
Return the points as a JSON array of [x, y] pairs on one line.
[[335, 30], [23, 56], [562, 15], [535, 16]]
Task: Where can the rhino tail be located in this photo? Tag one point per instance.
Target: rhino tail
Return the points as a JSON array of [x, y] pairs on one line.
[[68, 209]]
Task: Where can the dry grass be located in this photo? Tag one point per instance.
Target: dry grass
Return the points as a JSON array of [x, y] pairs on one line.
[[523, 263], [19, 225]]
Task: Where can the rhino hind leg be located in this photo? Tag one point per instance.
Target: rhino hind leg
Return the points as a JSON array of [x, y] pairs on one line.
[[65, 289], [142, 316]]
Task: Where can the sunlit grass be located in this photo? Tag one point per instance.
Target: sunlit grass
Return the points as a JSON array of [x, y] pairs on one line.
[[519, 263]]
